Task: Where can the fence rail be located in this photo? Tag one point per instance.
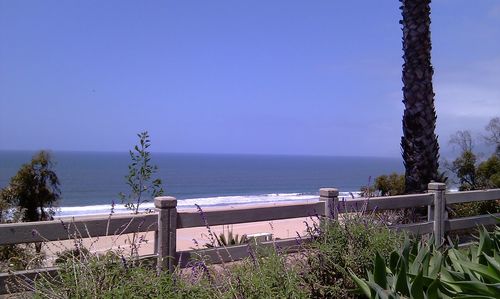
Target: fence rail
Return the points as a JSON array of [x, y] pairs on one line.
[[166, 220]]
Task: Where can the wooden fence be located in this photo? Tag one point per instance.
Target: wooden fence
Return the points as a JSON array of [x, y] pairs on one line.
[[168, 219]]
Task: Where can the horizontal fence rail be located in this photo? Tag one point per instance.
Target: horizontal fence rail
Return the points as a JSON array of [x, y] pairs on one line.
[[81, 227], [470, 196], [248, 214], [167, 220], [471, 222], [387, 202], [235, 253]]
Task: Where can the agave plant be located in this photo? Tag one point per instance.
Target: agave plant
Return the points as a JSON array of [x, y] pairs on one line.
[[477, 271], [412, 273], [419, 270], [223, 240]]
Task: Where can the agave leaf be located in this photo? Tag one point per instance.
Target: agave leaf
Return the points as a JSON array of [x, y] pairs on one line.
[[493, 266], [402, 282], [379, 272], [473, 297], [362, 285], [435, 264], [380, 292], [433, 290], [485, 243], [456, 259], [417, 287], [482, 270], [406, 249], [447, 275], [475, 287], [394, 261], [422, 253]]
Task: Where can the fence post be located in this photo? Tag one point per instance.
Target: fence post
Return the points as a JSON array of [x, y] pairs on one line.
[[167, 229], [438, 211], [331, 198]]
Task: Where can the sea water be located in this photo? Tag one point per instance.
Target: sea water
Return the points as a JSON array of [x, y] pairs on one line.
[[91, 181]]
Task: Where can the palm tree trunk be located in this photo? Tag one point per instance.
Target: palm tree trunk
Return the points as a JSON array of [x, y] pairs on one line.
[[419, 142]]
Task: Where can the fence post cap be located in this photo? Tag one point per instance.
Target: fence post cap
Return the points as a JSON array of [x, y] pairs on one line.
[[165, 202], [436, 186], [328, 192]]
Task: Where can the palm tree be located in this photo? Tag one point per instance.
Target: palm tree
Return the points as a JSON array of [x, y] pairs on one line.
[[419, 142]]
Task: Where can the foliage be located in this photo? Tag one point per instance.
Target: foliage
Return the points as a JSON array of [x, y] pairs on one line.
[[265, 274], [388, 185], [35, 189], [469, 209], [19, 257], [473, 174], [229, 239], [419, 270], [465, 169], [410, 273], [140, 177], [350, 243], [110, 276], [488, 172], [493, 129]]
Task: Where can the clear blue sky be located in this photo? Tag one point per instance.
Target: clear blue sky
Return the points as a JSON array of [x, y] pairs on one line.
[[278, 77]]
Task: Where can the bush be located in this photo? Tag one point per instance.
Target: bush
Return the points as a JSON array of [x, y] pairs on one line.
[[19, 257], [88, 275], [388, 185], [469, 209], [351, 243], [265, 274]]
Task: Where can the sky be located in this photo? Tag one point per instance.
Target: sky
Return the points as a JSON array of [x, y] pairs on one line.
[[260, 77]]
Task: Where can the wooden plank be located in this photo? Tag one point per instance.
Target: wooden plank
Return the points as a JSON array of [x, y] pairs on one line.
[[7, 280], [386, 202], [27, 232], [415, 228], [234, 253], [216, 216], [470, 222], [469, 196]]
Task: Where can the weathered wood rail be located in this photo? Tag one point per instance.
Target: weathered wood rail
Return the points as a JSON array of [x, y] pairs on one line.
[[167, 219]]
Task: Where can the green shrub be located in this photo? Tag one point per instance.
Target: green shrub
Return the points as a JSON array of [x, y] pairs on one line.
[[19, 257], [351, 243], [468, 209], [389, 185], [88, 275], [266, 274]]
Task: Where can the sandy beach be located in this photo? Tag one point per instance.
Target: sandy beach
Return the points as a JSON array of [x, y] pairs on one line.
[[187, 238]]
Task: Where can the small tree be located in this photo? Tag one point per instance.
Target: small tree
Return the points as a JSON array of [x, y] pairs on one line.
[[473, 174], [493, 137], [389, 185], [140, 176], [34, 189]]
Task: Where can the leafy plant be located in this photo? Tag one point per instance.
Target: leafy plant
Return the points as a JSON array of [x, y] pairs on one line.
[[229, 239], [140, 177], [388, 185], [34, 189], [419, 270], [264, 274], [339, 245], [109, 275]]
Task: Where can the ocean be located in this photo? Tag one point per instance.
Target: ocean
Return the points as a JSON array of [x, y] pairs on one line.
[[91, 181]]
